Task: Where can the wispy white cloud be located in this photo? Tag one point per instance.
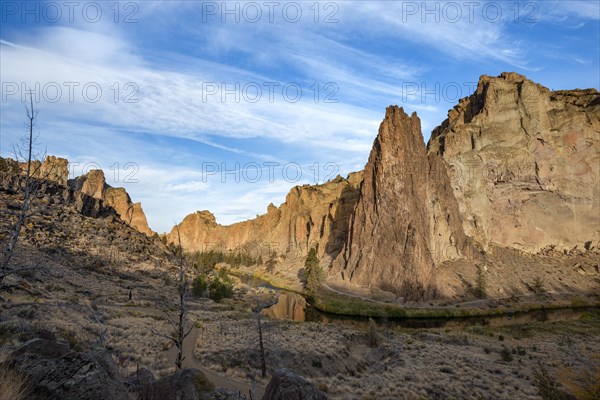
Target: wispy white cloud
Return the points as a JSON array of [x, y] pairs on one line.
[[560, 10], [368, 54]]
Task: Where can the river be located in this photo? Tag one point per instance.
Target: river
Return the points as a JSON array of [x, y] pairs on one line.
[[294, 307]]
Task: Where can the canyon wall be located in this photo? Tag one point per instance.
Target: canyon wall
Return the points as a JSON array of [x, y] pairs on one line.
[[515, 166], [311, 216], [524, 164]]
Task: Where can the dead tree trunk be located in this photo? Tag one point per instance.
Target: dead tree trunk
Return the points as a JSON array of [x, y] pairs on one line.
[[23, 213], [179, 326], [263, 364]]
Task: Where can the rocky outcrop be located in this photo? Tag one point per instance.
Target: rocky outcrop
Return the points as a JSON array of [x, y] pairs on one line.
[[62, 216], [94, 184], [54, 169], [186, 384], [515, 167], [55, 372], [312, 216], [524, 164], [51, 193], [286, 385], [404, 216]]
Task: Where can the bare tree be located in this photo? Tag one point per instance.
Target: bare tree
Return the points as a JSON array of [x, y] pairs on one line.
[[263, 363], [260, 305], [22, 213], [179, 325]]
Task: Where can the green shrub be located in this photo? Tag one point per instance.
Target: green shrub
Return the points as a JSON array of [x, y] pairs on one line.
[[538, 285], [207, 260], [220, 287], [506, 354], [199, 286], [548, 387], [372, 334], [313, 273]]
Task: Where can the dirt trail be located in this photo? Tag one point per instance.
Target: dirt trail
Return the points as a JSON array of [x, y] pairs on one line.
[[190, 360]]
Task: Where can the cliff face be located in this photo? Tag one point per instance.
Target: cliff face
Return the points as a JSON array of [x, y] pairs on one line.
[[312, 216], [515, 167], [94, 184], [524, 164], [404, 216]]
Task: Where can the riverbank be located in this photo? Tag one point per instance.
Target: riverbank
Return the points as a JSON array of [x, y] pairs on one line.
[[334, 302]]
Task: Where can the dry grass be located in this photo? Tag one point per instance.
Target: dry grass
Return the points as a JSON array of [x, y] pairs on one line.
[[583, 381], [13, 386], [408, 364]]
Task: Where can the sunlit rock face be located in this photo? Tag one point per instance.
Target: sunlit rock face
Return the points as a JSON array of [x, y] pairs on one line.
[[311, 216], [524, 163], [515, 166], [94, 184], [54, 169]]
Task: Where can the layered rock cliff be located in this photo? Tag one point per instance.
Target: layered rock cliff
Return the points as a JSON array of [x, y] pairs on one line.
[[515, 167], [405, 215], [524, 164], [94, 184], [311, 216]]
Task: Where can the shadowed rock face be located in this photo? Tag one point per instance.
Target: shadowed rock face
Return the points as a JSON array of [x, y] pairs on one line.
[[524, 164], [286, 385], [404, 213], [94, 185], [54, 372]]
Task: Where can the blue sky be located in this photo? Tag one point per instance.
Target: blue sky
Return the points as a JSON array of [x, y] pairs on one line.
[[167, 95]]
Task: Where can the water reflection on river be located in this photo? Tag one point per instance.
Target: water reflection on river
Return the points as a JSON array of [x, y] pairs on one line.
[[292, 306], [289, 306]]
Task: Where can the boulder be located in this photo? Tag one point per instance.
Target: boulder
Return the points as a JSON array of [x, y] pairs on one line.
[[56, 373], [286, 385]]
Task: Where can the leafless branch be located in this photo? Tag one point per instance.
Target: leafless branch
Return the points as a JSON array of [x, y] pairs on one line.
[[4, 274], [180, 324], [23, 213]]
